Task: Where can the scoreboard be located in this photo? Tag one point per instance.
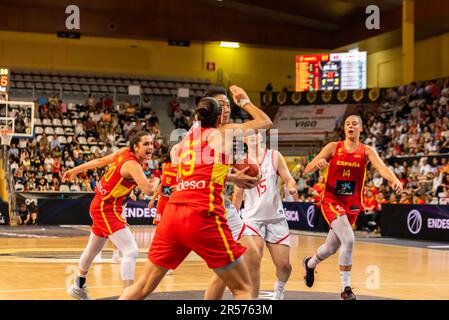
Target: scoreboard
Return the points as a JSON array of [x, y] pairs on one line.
[[4, 79], [331, 71]]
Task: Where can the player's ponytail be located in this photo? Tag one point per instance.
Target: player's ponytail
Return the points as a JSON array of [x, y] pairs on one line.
[[134, 136], [207, 111]]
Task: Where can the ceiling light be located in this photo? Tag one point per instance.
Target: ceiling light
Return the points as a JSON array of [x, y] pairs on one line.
[[225, 44]]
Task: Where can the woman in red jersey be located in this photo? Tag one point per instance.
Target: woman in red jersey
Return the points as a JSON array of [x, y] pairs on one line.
[[344, 164], [123, 175], [194, 218], [164, 191]]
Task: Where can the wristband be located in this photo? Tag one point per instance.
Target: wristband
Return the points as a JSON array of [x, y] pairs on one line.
[[242, 102]]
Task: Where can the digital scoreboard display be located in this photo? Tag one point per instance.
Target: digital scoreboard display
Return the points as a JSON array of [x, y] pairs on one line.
[[331, 71], [4, 79]]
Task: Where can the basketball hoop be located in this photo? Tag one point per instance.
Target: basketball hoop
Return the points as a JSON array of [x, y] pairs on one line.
[[6, 136]]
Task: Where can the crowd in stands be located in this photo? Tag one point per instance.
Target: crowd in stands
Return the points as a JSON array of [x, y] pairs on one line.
[[39, 164], [410, 130]]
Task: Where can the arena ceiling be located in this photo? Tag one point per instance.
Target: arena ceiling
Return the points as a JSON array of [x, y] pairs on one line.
[[315, 24]]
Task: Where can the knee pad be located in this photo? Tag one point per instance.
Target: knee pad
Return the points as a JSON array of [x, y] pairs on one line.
[[128, 267]]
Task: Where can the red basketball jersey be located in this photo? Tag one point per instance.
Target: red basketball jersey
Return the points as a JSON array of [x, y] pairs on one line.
[[345, 178], [201, 174], [113, 188]]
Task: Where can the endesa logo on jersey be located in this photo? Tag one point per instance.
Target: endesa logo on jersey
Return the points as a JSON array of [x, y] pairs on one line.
[[101, 189], [348, 164], [191, 185]]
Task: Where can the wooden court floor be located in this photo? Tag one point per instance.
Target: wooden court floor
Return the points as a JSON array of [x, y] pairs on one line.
[[41, 268]]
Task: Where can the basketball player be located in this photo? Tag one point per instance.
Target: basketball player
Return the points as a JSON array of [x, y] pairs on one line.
[[194, 218], [216, 288], [264, 216], [164, 191], [125, 172], [344, 164]]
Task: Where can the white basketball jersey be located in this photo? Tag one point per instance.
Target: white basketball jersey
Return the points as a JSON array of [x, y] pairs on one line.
[[264, 201]]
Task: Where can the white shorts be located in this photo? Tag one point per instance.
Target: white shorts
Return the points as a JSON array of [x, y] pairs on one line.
[[234, 221], [273, 231]]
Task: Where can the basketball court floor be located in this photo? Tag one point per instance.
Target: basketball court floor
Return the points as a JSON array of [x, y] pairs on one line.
[[39, 262]]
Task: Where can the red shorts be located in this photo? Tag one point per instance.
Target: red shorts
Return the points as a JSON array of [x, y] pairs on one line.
[[186, 229], [106, 218], [162, 202], [331, 210]]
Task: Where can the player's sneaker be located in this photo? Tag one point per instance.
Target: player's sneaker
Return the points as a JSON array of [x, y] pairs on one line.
[[78, 293], [278, 294], [347, 294], [169, 272], [309, 278]]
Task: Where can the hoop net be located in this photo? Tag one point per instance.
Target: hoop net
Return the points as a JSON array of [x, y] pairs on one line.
[[6, 136]]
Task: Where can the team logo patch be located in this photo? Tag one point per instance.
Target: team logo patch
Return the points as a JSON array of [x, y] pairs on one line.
[[345, 188], [340, 151]]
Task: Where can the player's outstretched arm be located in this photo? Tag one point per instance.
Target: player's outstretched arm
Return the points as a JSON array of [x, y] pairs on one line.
[[260, 119], [134, 169], [286, 175], [153, 199], [237, 198], [320, 162], [92, 164], [383, 170]]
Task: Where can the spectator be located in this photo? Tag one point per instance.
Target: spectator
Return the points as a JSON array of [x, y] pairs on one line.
[[23, 215]]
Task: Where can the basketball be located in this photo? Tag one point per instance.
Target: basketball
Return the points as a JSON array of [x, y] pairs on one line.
[[253, 170]]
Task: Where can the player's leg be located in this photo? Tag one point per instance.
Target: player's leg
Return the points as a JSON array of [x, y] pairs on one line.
[[123, 239], [79, 290], [253, 259], [278, 243], [116, 258], [328, 248], [147, 282], [216, 287], [343, 229], [236, 277]]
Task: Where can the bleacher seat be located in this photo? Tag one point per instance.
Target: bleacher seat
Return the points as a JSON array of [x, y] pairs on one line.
[[29, 85], [94, 148], [38, 138], [46, 122], [148, 91], [50, 138], [92, 141], [37, 121], [62, 139], [66, 123], [38, 129], [157, 91], [49, 130], [56, 122], [48, 86], [39, 85], [82, 140], [59, 131]]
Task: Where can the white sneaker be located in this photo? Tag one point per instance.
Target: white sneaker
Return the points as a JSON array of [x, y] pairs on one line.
[[278, 294], [78, 293], [116, 259], [169, 272]]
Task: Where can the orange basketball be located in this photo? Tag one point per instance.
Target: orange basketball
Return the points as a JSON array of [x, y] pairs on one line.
[[253, 170]]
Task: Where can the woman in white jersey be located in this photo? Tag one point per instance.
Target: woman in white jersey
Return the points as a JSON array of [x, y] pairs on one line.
[[264, 216]]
